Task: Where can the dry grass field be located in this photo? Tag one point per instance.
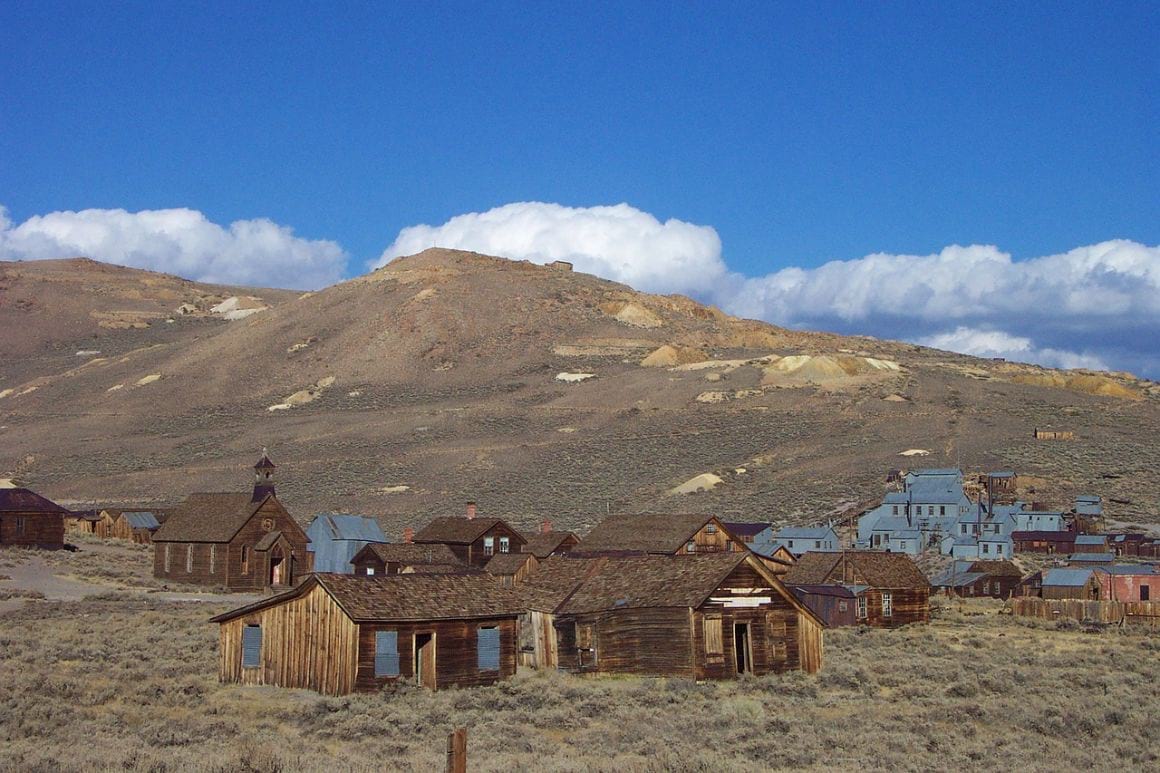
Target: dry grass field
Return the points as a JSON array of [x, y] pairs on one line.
[[124, 680]]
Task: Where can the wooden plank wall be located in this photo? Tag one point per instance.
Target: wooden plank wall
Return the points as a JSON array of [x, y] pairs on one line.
[[44, 530], [655, 641], [1130, 612], [307, 642], [456, 658]]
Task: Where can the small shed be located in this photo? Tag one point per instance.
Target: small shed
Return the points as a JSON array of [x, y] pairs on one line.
[[512, 568], [338, 634], [1070, 583], [833, 604], [386, 558], [81, 522], [136, 526], [29, 520], [336, 538]]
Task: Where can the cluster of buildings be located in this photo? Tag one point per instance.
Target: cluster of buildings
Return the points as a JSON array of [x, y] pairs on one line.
[[466, 599]]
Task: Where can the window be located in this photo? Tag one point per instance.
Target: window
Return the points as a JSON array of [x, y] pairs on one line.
[[245, 559], [942, 509], [691, 547], [370, 571], [167, 546], [487, 648], [861, 608], [713, 641], [817, 544], [962, 528], [987, 588], [252, 646], [19, 524], [1145, 593], [895, 510], [790, 545], [999, 549], [986, 548], [488, 546], [188, 559], [386, 653], [711, 529], [504, 545], [843, 606], [212, 559], [887, 604]]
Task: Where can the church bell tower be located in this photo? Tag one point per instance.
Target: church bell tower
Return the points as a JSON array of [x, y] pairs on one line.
[[263, 477]]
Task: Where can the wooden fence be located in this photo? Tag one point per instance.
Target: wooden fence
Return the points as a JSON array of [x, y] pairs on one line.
[[1102, 612]]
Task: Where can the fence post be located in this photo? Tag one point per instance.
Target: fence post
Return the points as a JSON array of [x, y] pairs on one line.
[[457, 751]]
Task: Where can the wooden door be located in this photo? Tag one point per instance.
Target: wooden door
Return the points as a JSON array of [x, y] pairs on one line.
[[742, 648], [424, 666]]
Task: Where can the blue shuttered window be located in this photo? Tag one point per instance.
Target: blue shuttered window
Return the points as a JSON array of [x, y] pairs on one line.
[[487, 647], [251, 646], [386, 653]]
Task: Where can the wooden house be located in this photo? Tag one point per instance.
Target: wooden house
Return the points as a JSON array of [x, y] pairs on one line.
[[1050, 542], [706, 616], [547, 542], [834, 605], [889, 588], [1070, 583], [242, 542], [335, 539], [29, 520], [995, 579], [1091, 543], [338, 634], [81, 522], [385, 558], [473, 540], [135, 526], [512, 568], [661, 534]]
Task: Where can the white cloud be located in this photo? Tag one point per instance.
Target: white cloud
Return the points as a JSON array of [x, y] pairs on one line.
[[180, 241], [996, 343], [617, 242]]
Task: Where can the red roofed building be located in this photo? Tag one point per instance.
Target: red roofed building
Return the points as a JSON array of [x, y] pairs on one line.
[[29, 520]]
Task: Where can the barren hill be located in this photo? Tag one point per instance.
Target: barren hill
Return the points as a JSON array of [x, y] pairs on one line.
[[538, 392]]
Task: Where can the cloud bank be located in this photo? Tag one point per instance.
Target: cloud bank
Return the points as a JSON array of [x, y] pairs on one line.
[[618, 242], [178, 241], [1096, 306]]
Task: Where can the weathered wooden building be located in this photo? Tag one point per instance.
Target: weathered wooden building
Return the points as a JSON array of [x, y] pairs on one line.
[[135, 526], [834, 605], [338, 634], [473, 540], [81, 522], [547, 542], [236, 541], [1050, 542], [335, 539], [889, 588], [703, 616], [996, 579], [29, 520], [1069, 583], [384, 558], [671, 534], [512, 568]]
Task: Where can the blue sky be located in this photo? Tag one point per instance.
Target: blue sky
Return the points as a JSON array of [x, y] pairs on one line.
[[799, 134]]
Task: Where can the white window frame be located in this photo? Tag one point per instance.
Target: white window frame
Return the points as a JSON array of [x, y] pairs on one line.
[[370, 571], [861, 609], [489, 546], [189, 559], [887, 604], [505, 545]]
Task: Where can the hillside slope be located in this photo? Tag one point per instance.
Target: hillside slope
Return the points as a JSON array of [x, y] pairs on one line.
[[538, 392]]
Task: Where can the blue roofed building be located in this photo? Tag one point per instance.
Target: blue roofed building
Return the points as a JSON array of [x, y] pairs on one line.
[[335, 538], [1070, 583], [920, 516], [1089, 504]]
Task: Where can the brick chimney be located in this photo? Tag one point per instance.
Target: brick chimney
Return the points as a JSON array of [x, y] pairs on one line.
[[470, 510], [408, 534], [545, 527]]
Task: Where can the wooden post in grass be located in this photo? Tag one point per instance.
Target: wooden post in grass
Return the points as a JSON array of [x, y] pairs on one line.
[[457, 751]]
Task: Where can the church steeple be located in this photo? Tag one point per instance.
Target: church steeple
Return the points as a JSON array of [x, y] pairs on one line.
[[263, 477]]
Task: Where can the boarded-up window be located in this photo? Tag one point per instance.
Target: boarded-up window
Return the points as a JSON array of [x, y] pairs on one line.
[[584, 636], [167, 558], [251, 646], [212, 559], [386, 653], [188, 559], [713, 643], [487, 648]]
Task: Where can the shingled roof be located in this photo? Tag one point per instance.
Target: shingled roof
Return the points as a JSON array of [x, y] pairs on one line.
[[22, 500], [457, 530], [507, 563], [403, 597], [410, 553], [878, 569], [648, 533], [207, 518], [543, 544]]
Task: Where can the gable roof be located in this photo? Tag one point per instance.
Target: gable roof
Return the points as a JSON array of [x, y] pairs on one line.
[[208, 517], [543, 544], [507, 563], [403, 597], [1067, 577], [1091, 539], [141, 520], [337, 526], [22, 500], [745, 529], [457, 530], [662, 533], [876, 568], [410, 554]]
